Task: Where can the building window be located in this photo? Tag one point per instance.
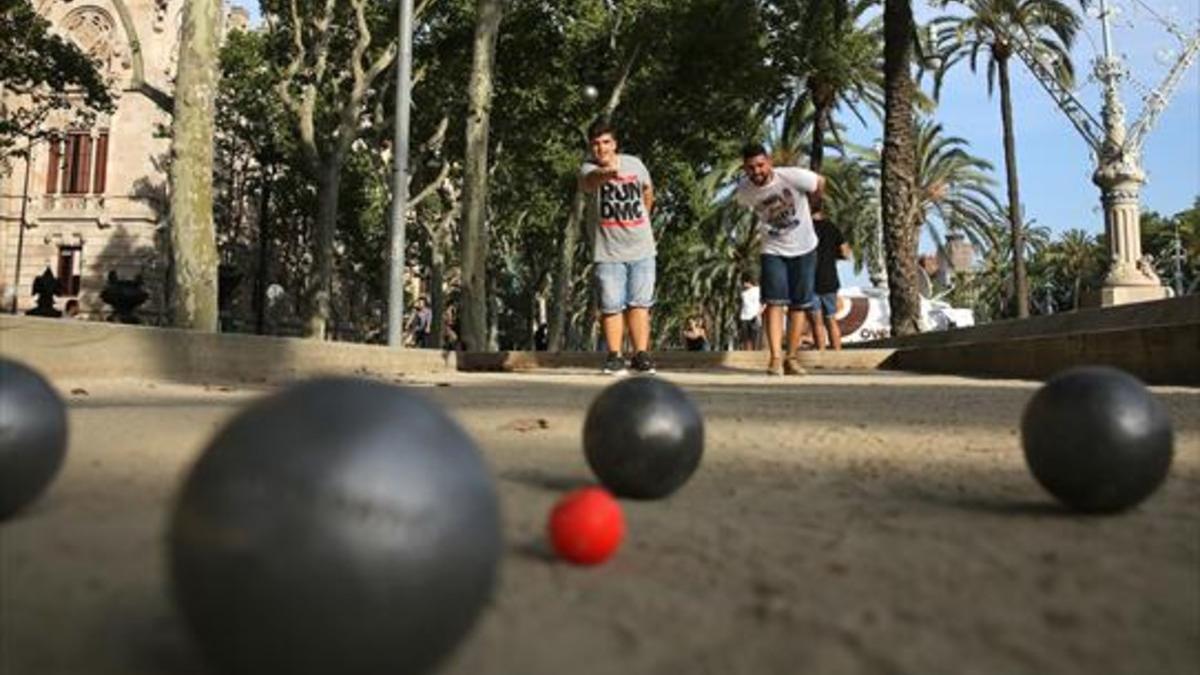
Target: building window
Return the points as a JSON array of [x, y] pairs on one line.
[[78, 166], [52, 165], [70, 268], [78, 163], [99, 174]]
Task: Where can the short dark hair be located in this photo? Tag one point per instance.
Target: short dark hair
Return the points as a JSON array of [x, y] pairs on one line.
[[815, 203], [753, 149], [601, 127]]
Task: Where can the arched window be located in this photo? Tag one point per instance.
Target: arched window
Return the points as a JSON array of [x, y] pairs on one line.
[[93, 30]]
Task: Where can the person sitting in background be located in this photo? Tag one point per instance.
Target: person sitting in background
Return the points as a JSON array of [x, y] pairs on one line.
[[695, 335]]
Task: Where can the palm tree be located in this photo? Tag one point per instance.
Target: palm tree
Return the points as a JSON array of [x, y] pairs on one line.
[[993, 284], [840, 60], [953, 193], [899, 163], [852, 201], [1077, 259], [708, 271], [990, 26], [953, 188]]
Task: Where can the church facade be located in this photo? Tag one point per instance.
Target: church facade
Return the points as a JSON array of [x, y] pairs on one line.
[[96, 199]]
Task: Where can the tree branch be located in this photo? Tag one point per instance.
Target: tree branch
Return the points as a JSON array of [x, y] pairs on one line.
[[614, 98]]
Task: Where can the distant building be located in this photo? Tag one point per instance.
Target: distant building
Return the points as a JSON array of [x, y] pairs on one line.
[[957, 256]]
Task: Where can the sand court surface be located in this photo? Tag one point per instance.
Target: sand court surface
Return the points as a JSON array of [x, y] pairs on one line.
[[839, 523]]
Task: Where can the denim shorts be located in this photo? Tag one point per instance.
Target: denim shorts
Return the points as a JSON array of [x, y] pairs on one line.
[[828, 303], [624, 285], [790, 281]]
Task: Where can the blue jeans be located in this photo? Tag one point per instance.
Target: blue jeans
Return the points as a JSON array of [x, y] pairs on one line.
[[828, 302], [624, 285], [789, 281]]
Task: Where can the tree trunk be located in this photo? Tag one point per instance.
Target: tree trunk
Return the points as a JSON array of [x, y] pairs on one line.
[[899, 169], [493, 314], [1020, 279], [565, 277], [437, 298], [329, 183], [473, 305], [193, 236], [264, 254], [817, 154], [822, 106]]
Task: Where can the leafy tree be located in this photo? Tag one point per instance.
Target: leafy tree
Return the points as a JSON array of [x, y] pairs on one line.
[[253, 152], [674, 104], [1174, 245], [47, 73], [330, 55], [991, 26]]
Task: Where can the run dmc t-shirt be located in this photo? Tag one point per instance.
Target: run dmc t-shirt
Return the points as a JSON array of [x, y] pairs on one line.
[[782, 210], [619, 216]]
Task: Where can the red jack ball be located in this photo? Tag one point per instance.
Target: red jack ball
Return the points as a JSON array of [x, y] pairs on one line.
[[586, 526]]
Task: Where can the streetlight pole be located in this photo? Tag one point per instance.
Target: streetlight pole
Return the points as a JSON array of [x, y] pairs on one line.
[[395, 329], [21, 227], [1178, 257], [1117, 148], [1120, 178]]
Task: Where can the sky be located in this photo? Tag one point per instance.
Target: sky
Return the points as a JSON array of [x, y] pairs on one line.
[[1054, 167], [1053, 161]]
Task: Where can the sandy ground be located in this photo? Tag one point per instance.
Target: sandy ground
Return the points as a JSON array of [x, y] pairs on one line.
[[878, 523]]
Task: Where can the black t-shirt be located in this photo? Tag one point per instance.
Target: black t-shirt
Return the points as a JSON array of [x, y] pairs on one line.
[[829, 240]]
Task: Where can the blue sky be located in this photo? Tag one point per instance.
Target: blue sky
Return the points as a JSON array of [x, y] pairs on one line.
[[1053, 161]]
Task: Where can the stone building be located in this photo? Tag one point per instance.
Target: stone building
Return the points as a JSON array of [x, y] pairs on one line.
[[97, 197]]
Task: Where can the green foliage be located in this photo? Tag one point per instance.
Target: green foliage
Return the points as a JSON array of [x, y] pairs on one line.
[[696, 76], [852, 203], [1067, 271], [984, 29], [1174, 245], [704, 76], [52, 73], [954, 188]]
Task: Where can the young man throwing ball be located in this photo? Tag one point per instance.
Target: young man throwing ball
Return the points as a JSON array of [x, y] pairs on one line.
[[623, 247], [779, 199]]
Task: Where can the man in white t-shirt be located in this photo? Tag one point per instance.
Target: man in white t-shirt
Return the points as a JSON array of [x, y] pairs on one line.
[[779, 199], [750, 316]]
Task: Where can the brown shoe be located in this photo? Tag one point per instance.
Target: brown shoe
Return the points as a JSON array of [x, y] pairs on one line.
[[791, 366], [775, 367]]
